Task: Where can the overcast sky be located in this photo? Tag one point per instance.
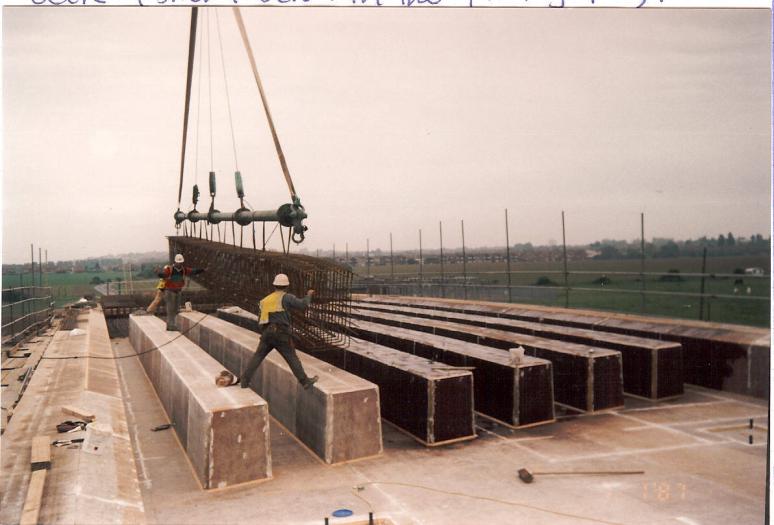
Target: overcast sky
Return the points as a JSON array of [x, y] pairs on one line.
[[391, 120]]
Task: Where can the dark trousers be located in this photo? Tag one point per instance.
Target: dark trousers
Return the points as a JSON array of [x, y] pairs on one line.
[[275, 337], [172, 300]]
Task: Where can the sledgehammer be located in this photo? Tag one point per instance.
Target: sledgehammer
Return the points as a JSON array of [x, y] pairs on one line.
[[527, 477]]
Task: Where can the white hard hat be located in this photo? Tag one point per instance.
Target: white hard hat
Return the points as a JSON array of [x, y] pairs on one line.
[[179, 258], [281, 280]]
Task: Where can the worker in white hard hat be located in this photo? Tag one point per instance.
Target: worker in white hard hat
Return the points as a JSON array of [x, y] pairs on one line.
[[174, 281], [275, 329]]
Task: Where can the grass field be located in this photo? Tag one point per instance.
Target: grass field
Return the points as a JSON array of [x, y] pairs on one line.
[[620, 293], [726, 299], [66, 287]]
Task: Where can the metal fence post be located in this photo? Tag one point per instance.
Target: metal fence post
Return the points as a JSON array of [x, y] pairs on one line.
[[508, 257], [566, 281], [440, 233], [464, 263], [368, 258], [420, 261], [392, 262], [642, 263], [703, 274]]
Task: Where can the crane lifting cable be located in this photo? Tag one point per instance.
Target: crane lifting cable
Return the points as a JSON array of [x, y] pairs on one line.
[[237, 275], [290, 215]]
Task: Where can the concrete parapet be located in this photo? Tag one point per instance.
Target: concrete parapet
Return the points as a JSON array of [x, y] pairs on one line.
[[96, 481]]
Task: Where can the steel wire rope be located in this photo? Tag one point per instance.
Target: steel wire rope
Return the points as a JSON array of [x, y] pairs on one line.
[[136, 354], [209, 90], [228, 96], [280, 155], [189, 72], [198, 108]]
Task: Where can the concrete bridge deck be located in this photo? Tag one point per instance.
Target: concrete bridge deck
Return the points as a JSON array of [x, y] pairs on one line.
[[695, 451]]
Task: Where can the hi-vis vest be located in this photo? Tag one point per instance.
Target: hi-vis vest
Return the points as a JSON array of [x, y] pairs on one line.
[[270, 304]]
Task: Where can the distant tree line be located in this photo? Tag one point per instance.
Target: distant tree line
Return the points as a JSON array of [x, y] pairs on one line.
[[667, 248]]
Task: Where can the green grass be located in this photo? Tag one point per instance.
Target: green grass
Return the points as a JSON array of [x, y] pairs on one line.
[[740, 307], [66, 287]]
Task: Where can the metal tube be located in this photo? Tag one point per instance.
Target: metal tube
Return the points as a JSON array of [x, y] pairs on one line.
[[566, 282], [368, 258], [465, 264], [32, 268], [40, 267], [220, 216], [508, 256]]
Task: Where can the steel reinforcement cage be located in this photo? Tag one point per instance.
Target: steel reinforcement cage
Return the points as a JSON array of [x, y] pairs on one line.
[[243, 276]]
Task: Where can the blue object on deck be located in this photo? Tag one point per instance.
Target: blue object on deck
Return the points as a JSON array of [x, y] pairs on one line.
[[342, 513]]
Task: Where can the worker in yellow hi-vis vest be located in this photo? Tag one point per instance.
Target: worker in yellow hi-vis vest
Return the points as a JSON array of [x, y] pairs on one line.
[[274, 327]]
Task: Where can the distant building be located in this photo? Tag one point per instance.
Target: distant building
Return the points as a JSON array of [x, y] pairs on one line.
[[754, 271]]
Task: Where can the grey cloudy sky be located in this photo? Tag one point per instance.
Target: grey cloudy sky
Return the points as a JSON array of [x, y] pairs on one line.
[[391, 120]]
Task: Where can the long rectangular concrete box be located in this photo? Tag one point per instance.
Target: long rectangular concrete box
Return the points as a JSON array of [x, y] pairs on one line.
[[585, 378], [517, 394], [651, 369], [224, 431], [722, 356], [337, 418], [434, 407]]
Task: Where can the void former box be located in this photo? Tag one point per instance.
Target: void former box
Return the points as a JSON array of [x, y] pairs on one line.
[[585, 378], [435, 407], [517, 393], [652, 369], [337, 418], [225, 432]]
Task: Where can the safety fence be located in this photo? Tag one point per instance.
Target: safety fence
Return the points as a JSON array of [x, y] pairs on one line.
[[24, 309], [732, 298]]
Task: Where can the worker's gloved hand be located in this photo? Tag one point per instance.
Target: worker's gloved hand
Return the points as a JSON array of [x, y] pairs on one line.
[[310, 292]]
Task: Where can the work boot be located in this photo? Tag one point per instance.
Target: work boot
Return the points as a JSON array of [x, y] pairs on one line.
[[309, 382], [242, 383]]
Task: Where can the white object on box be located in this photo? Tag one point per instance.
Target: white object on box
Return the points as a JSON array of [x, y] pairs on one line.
[[188, 306], [517, 354]]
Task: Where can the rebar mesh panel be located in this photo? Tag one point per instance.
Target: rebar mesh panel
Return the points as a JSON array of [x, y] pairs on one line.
[[243, 276]]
